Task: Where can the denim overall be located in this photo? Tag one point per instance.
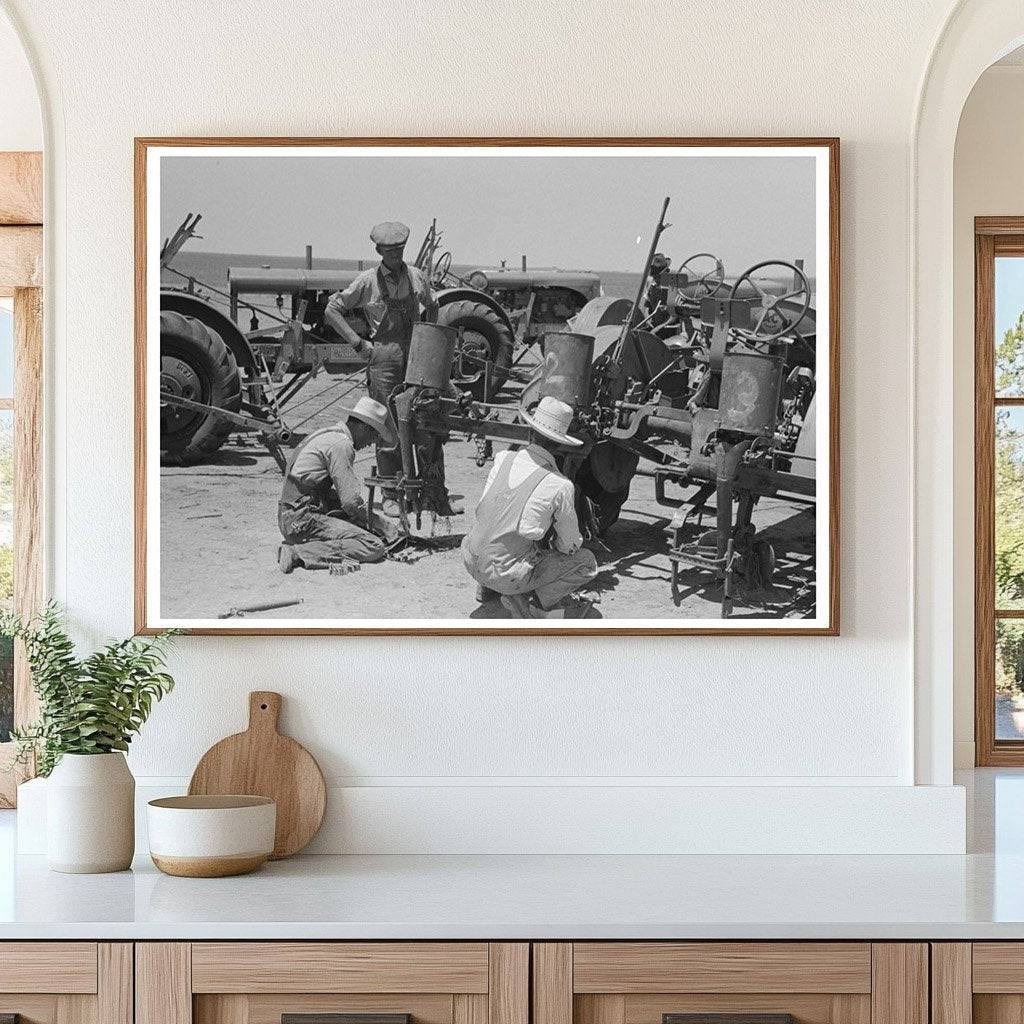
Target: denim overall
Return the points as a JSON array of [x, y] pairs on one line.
[[386, 368]]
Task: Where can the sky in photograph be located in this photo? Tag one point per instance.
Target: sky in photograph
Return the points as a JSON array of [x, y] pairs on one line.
[[582, 212]]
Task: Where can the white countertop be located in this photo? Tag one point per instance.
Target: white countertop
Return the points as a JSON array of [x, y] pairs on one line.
[[978, 896], [532, 897]]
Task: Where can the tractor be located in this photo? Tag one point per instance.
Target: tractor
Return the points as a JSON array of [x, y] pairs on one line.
[[500, 313], [218, 375]]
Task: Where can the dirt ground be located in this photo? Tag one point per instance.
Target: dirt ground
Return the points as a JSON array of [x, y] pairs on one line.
[[219, 540]]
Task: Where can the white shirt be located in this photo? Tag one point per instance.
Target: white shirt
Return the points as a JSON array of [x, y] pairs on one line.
[[553, 500]]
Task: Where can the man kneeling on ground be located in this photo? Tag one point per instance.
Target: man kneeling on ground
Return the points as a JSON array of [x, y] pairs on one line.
[[322, 514], [526, 499]]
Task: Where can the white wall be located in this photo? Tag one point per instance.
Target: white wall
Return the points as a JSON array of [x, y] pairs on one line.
[[442, 713], [21, 125], [988, 181]]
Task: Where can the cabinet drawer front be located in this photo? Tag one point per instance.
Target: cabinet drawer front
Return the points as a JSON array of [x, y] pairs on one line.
[[721, 967], [998, 967], [339, 967], [48, 967]]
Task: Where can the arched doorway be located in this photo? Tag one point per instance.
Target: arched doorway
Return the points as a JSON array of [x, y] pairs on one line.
[[976, 33]]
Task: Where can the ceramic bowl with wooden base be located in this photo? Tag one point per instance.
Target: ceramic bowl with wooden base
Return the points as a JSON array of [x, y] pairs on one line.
[[211, 836]]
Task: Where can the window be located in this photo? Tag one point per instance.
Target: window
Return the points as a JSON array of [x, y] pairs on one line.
[[20, 503], [21, 377], [999, 490], [6, 510]]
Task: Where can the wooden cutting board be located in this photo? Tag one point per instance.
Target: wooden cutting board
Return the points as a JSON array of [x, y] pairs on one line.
[[262, 762]]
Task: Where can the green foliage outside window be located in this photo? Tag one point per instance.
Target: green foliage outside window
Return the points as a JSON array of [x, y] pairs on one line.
[[6, 688], [6, 573], [1009, 508]]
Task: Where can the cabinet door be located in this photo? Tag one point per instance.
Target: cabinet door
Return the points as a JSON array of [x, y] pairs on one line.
[[980, 982], [737, 982], [66, 983], [332, 983]]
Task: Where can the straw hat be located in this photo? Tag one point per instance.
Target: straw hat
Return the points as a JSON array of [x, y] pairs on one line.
[[552, 418], [373, 414]]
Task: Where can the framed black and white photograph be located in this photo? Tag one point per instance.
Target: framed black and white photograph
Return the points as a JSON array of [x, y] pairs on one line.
[[442, 386]]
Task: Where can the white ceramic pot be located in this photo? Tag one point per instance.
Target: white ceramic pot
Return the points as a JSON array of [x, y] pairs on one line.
[[90, 814], [211, 836]]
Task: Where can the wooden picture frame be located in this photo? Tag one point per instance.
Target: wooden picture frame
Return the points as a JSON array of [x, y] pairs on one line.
[[826, 574], [21, 262]]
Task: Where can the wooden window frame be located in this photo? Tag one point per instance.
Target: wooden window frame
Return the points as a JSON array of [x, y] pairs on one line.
[[21, 269], [993, 237]]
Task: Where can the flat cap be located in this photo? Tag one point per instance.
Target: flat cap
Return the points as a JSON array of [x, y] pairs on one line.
[[389, 232]]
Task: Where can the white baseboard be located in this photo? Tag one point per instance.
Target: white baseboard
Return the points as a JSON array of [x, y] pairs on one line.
[[600, 819]]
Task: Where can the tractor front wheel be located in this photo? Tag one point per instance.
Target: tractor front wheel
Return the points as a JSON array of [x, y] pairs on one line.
[[486, 338], [196, 365]]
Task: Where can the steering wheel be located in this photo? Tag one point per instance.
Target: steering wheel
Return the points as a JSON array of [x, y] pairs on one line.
[[776, 320], [441, 268], [704, 284]]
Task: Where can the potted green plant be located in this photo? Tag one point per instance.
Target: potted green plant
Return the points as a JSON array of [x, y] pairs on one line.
[[89, 710]]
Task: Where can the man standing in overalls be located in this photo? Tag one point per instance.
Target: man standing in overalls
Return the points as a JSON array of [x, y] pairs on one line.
[[393, 296]]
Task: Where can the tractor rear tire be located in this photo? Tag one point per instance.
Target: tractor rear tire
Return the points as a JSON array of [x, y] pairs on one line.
[[197, 365], [485, 331]]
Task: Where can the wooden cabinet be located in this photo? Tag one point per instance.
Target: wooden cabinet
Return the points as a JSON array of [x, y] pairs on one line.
[[66, 982], [494, 983], [260, 982], [815, 982]]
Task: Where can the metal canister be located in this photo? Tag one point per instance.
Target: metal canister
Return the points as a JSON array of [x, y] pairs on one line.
[[431, 353], [565, 372], [749, 398]]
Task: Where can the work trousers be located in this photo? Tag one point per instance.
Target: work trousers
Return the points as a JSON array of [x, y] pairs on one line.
[[318, 539], [383, 374], [554, 575]]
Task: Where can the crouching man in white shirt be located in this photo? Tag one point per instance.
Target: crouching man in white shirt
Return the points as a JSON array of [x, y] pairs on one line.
[[526, 499]]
